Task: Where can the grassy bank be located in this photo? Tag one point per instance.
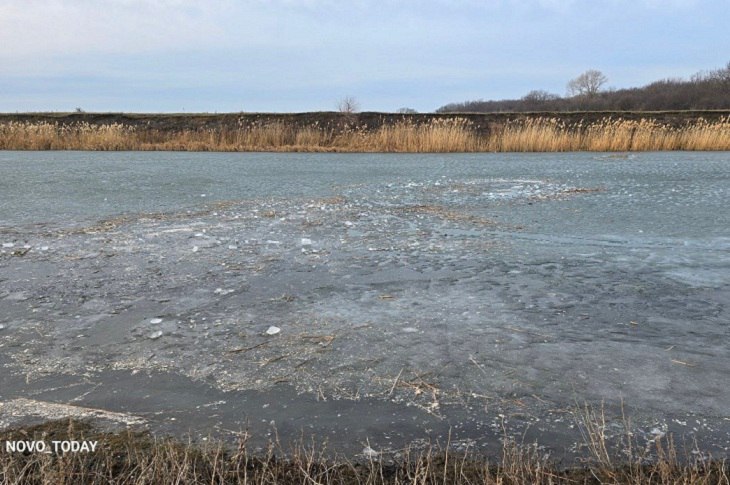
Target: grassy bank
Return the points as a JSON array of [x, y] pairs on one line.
[[351, 133], [138, 458]]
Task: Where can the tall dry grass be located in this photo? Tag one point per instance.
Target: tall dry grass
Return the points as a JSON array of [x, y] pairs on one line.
[[609, 135], [136, 459], [440, 135], [54, 136]]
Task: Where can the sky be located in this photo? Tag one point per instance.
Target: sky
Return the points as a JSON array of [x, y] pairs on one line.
[[305, 55]]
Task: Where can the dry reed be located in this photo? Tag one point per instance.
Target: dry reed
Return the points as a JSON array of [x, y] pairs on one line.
[[440, 135], [137, 458]]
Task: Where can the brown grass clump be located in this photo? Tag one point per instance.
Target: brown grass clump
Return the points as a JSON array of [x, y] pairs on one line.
[[54, 136], [609, 135], [440, 135]]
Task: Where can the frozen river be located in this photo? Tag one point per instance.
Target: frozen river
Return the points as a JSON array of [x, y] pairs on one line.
[[409, 294]]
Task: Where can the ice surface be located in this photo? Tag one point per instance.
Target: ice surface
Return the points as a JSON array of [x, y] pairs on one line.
[[534, 280]]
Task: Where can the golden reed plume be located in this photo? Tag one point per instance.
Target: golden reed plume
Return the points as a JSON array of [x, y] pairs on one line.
[[540, 134]]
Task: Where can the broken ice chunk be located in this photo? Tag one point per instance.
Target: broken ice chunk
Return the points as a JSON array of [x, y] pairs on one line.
[[155, 320], [155, 335], [272, 330], [369, 452]]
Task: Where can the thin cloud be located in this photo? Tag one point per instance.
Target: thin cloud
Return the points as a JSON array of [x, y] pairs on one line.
[[260, 52]]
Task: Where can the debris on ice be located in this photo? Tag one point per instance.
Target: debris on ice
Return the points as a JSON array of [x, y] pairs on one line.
[[369, 452], [155, 321], [306, 241], [272, 330], [155, 335]]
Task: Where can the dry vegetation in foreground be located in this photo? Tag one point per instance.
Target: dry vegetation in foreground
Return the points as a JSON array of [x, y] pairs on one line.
[[540, 134], [138, 458]]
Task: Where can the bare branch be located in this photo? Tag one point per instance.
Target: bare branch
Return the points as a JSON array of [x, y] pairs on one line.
[[587, 84]]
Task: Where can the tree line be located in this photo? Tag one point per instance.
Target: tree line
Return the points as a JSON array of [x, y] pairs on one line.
[[704, 90]]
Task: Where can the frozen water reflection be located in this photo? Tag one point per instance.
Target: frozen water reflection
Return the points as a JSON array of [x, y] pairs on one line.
[[526, 282]]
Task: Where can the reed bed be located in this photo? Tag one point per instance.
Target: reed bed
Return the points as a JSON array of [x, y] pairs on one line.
[[456, 134], [138, 458]]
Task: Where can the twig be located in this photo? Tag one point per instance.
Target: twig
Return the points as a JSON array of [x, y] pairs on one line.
[[528, 332], [395, 383], [471, 358], [273, 359], [246, 349]]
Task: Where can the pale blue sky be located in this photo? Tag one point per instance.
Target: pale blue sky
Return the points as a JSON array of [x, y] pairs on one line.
[[304, 55]]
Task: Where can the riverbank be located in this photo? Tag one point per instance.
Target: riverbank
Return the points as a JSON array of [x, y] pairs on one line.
[[139, 458], [369, 132]]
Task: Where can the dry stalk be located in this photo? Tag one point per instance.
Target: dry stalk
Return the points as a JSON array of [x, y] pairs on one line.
[[540, 134]]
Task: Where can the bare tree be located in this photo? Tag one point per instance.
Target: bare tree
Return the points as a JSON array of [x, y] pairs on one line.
[[538, 95], [537, 99], [406, 111], [587, 84], [722, 75], [708, 89], [348, 104]]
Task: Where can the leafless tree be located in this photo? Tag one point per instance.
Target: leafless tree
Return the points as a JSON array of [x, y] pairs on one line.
[[723, 75], [587, 84], [348, 105], [406, 111], [538, 100], [538, 95], [706, 90]]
